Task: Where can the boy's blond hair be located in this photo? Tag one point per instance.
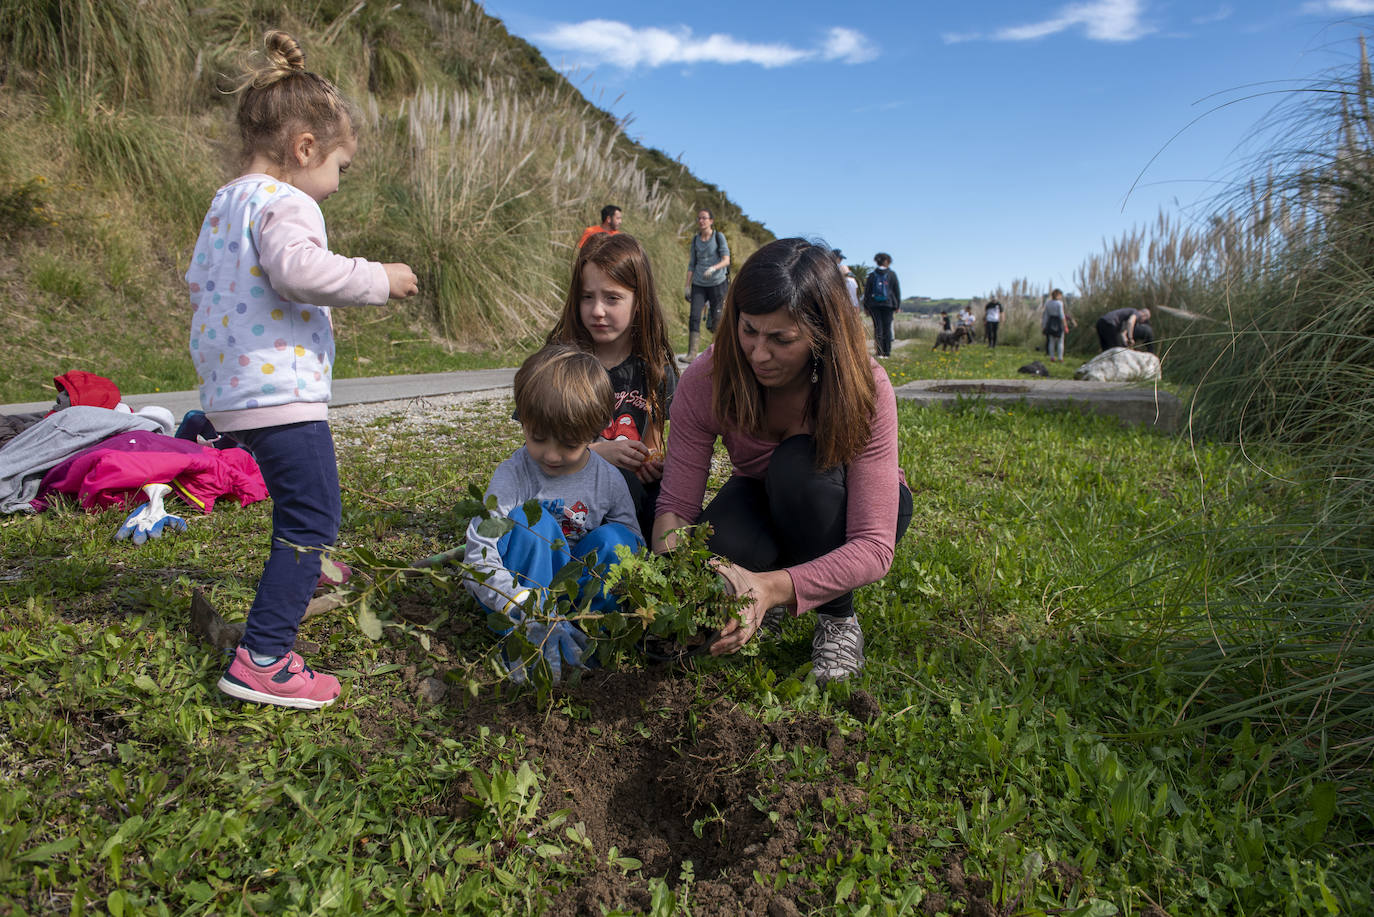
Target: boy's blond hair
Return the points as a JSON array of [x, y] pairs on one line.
[[563, 392]]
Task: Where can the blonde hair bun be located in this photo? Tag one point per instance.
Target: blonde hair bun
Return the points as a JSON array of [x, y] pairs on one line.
[[280, 98], [283, 52]]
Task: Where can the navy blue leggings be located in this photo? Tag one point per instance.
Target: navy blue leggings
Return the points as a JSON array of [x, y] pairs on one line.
[[298, 465]]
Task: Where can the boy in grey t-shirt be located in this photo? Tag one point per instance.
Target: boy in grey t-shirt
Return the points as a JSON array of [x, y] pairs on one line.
[[564, 399]]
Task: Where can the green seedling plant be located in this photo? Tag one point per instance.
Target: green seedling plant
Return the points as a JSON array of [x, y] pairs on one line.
[[678, 596], [670, 605], [510, 802]]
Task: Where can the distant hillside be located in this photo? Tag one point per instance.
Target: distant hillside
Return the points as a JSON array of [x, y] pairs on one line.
[[479, 165]]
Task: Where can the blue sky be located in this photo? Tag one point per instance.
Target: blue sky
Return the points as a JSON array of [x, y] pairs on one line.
[[976, 142]]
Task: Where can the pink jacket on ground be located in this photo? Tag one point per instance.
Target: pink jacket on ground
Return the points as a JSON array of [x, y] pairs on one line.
[[113, 472]]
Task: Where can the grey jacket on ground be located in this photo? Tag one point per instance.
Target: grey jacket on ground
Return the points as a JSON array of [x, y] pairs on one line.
[[30, 455]]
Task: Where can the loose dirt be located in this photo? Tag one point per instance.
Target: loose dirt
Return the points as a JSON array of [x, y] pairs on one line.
[[667, 770]]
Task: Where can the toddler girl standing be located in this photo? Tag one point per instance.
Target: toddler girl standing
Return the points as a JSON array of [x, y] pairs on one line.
[[612, 310], [262, 282]]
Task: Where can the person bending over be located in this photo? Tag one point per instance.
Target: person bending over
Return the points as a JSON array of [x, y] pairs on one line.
[[1117, 328], [816, 501]]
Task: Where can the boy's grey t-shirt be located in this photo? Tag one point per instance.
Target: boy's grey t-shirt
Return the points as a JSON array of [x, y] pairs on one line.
[[580, 501]]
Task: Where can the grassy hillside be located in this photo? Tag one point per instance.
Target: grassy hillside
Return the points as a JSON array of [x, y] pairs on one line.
[[479, 165]]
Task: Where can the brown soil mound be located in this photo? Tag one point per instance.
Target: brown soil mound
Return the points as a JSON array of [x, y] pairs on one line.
[[662, 768]]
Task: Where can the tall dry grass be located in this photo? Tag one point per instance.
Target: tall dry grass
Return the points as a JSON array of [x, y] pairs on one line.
[[1021, 303], [121, 52], [487, 193], [1274, 622], [478, 163]]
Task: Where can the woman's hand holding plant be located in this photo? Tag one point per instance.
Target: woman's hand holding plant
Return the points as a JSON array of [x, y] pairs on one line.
[[764, 591]]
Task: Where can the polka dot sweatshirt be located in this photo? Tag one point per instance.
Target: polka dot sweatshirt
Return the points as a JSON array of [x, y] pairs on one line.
[[262, 281]]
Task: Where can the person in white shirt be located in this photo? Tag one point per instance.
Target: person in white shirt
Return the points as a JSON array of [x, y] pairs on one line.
[[992, 320]]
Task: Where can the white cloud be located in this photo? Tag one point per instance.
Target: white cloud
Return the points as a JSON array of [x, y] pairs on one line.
[[1100, 20], [848, 46], [1347, 7], [598, 41]]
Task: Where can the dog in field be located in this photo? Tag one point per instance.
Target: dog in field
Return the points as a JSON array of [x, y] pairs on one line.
[[948, 339]]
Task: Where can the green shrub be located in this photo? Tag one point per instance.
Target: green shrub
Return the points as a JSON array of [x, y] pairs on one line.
[[23, 208]]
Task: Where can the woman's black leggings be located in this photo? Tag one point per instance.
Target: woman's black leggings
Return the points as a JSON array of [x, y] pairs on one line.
[[882, 329], [795, 514], [645, 498]]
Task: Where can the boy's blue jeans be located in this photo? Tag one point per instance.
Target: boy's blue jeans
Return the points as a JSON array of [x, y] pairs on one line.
[[535, 551], [298, 465]]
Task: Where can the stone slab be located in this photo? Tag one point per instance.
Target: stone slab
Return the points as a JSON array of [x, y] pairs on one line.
[[1129, 402]]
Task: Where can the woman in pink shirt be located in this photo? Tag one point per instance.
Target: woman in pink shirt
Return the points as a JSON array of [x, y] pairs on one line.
[[816, 501]]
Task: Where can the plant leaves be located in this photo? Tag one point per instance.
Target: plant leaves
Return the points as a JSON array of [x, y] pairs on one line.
[[45, 852], [494, 528], [1323, 802], [369, 624]]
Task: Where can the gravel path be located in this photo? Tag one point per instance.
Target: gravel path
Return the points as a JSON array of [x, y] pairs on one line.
[[418, 413]]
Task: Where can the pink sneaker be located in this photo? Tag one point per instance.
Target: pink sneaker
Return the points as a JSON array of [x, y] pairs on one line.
[[333, 573], [288, 682]]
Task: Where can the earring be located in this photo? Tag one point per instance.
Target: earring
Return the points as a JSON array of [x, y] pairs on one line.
[[815, 365]]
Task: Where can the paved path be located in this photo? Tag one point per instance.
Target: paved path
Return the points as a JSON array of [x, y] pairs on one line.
[[346, 391], [1132, 403]]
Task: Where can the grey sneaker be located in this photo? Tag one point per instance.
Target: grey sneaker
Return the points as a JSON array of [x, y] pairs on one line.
[[773, 620], [837, 649]]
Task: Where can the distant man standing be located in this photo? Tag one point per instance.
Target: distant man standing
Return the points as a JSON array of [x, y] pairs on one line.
[[882, 296], [708, 277], [1117, 328], [610, 223]]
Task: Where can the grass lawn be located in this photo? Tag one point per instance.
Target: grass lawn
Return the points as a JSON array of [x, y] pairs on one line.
[[914, 359], [1009, 749]]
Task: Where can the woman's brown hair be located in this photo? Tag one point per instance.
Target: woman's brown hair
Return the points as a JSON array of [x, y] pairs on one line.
[[623, 260], [281, 99], [800, 277]]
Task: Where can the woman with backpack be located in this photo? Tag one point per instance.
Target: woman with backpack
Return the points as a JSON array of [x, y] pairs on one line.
[[1055, 322], [708, 277], [882, 296]]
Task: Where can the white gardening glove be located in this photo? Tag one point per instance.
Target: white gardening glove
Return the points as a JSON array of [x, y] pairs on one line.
[[151, 519]]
